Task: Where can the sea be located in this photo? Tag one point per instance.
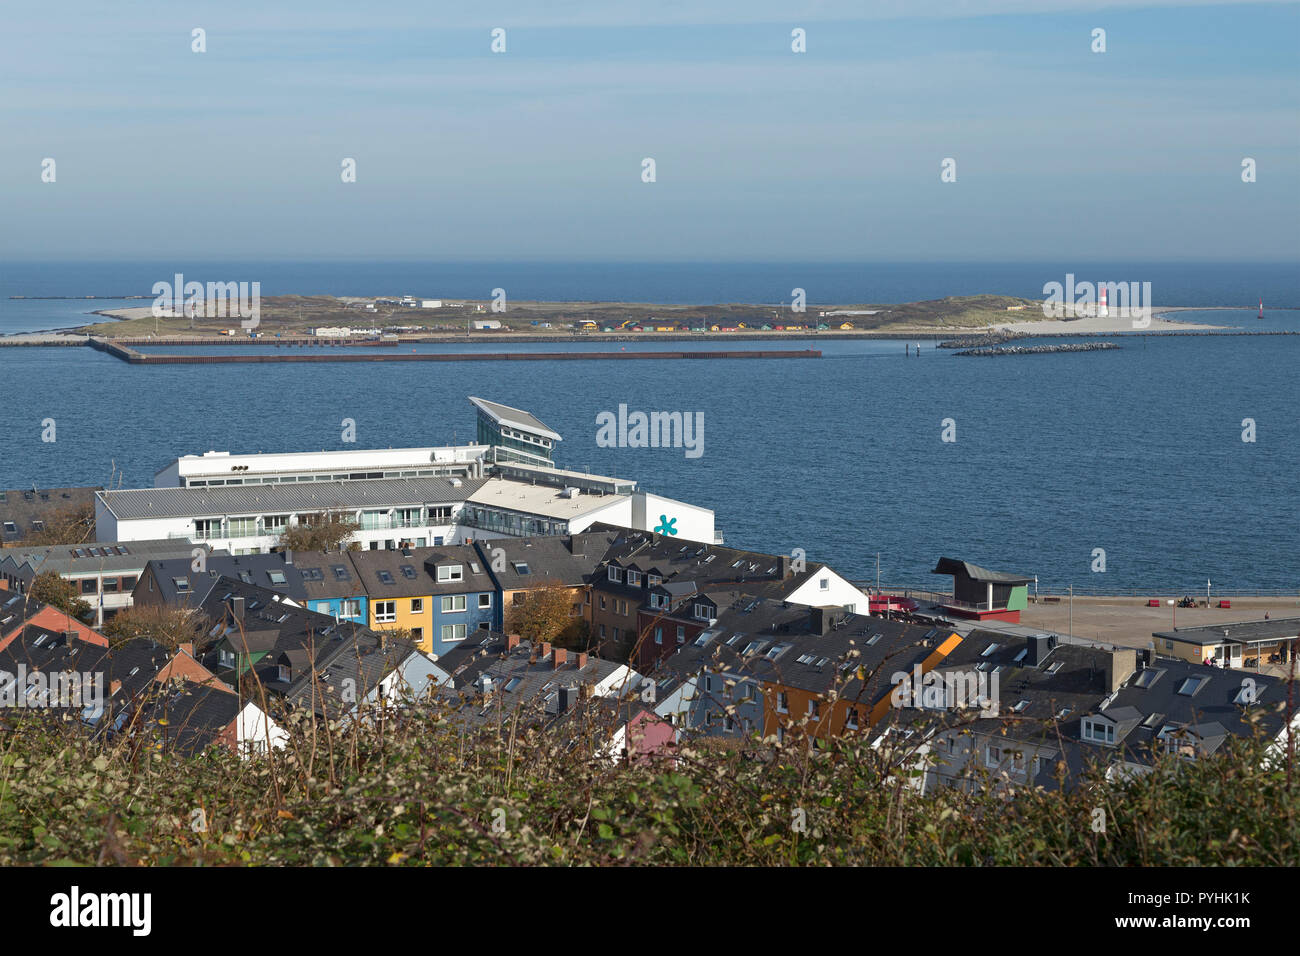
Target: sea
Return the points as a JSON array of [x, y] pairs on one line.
[[1169, 462]]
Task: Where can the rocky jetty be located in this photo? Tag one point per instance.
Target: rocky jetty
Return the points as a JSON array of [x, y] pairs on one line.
[[1040, 349]]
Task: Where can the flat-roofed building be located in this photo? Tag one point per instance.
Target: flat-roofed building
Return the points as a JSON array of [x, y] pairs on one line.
[[221, 469]]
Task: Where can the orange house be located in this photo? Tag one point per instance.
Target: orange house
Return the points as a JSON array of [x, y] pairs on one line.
[[52, 619]]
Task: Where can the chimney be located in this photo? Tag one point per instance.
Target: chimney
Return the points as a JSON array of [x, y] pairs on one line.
[[546, 648], [785, 566], [512, 641], [822, 619], [561, 655], [1120, 665], [237, 608], [187, 647], [288, 557], [69, 637], [581, 660], [1039, 646], [565, 699]]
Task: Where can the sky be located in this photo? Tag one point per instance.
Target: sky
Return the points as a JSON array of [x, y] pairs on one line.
[[760, 153]]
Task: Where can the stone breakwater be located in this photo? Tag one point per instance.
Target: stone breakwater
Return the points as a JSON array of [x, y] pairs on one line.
[[981, 340], [1040, 349]]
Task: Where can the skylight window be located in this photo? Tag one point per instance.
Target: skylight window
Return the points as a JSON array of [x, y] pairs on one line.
[[873, 638], [989, 650], [408, 572], [277, 577], [1148, 677], [1021, 656], [521, 567], [340, 572], [1191, 685], [384, 577], [705, 637], [1054, 667], [1020, 705]]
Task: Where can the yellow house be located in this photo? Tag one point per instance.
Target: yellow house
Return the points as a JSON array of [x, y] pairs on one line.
[[400, 594]]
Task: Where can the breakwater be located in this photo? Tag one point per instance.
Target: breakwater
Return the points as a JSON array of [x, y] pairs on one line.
[[1040, 349], [134, 357]]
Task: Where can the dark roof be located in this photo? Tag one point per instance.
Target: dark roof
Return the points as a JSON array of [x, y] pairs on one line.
[[975, 572], [186, 718], [314, 496], [345, 671], [23, 506], [1206, 701], [566, 560], [90, 558], [1243, 632]]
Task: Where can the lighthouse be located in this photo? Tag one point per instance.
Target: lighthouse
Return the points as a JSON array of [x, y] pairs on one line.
[[1101, 300]]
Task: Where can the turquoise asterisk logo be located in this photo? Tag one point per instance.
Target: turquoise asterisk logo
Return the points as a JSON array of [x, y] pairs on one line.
[[666, 525]]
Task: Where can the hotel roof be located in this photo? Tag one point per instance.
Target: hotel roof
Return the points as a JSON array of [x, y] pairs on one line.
[[545, 500], [514, 417], [264, 499]]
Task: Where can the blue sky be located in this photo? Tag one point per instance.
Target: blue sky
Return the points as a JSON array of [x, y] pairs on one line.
[[761, 153]]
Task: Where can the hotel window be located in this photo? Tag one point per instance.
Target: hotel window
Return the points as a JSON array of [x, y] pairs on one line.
[[518, 598], [681, 633], [89, 586], [703, 611], [602, 602], [351, 609], [417, 634], [452, 603], [782, 703], [417, 605], [110, 585], [450, 572], [992, 755], [243, 527], [602, 632], [653, 579], [484, 600], [615, 574], [659, 635], [851, 721], [824, 584], [385, 612], [812, 708], [276, 523], [207, 528], [453, 632], [129, 582], [634, 578]]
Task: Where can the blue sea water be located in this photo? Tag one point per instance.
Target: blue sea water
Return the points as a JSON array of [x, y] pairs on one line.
[[1137, 451]]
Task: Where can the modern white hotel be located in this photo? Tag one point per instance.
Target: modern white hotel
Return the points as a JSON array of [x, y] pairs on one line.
[[505, 486]]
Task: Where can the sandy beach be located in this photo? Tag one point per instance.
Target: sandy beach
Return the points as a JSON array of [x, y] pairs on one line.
[[1112, 325]]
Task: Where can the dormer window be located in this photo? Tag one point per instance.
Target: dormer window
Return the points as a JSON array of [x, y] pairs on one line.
[[450, 572], [634, 578], [703, 612], [616, 574], [1097, 731]]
